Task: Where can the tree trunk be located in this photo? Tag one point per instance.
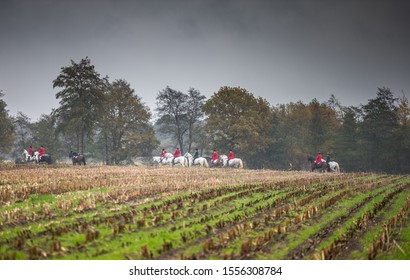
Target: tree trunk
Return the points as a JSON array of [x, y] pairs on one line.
[[80, 142], [181, 143], [106, 148], [190, 138]]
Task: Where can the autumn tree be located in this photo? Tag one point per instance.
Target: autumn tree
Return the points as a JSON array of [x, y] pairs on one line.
[[125, 128], [240, 121], [323, 127], [291, 137], [81, 98]]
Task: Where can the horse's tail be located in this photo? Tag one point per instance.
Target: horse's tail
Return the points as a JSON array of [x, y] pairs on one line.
[[206, 163], [240, 163], [337, 167], [84, 160], [49, 161], [186, 162]]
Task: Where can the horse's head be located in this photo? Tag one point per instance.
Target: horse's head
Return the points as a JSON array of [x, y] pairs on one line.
[[310, 159], [187, 155], [73, 154]]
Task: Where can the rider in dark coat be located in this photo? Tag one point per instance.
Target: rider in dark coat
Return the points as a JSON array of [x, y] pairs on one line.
[[196, 155], [327, 162]]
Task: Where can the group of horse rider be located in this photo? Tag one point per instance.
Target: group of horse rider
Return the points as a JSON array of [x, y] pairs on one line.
[[319, 161], [214, 158], [41, 151]]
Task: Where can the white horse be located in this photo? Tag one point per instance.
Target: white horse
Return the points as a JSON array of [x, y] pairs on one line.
[[167, 160], [183, 161], [236, 162], [28, 157], [333, 166], [201, 161]]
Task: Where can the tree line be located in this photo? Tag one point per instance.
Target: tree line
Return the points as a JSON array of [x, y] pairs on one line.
[[109, 122]]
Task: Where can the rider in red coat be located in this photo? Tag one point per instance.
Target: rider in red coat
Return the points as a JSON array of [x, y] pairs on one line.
[[231, 155], [42, 151], [31, 151], [177, 153], [162, 155], [318, 160], [214, 157]]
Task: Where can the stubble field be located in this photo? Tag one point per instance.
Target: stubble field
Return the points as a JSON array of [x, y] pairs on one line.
[[128, 212]]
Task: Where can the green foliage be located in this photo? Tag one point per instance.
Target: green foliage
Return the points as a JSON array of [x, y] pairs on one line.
[[348, 142], [403, 135], [125, 128], [180, 115], [44, 132], [378, 131], [23, 134], [7, 128], [81, 99], [172, 112], [195, 114]]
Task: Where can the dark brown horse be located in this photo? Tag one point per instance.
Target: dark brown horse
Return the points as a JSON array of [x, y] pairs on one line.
[[44, 158], [321, 166], [76, 158]]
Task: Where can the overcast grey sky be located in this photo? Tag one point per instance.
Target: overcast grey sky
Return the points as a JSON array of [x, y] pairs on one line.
[[282, 50]]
